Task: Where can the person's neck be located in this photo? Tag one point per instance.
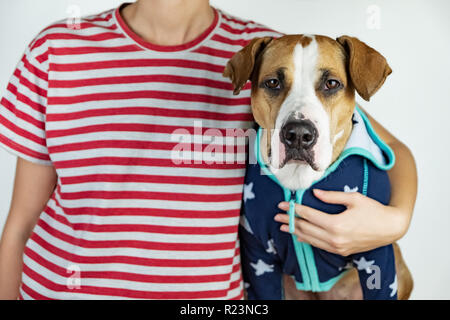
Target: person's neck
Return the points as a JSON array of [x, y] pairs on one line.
[[168, 22]]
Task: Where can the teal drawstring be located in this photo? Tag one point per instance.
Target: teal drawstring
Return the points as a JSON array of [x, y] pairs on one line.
[[291, 216]]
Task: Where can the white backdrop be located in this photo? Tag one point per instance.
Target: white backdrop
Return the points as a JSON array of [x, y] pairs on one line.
[[414, 104]]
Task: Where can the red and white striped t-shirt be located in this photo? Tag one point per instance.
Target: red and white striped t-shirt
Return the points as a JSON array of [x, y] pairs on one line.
[[126, 221]]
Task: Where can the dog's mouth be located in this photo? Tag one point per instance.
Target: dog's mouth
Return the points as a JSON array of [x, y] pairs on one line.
[[296, 156]]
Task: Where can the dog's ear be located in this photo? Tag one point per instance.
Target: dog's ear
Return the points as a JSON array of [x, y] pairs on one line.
[[367, 67], [240, 67]]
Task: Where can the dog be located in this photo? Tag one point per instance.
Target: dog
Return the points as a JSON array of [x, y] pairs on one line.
[[312, 135]]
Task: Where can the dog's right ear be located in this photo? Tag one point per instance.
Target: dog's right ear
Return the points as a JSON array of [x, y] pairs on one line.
[[240, 67]]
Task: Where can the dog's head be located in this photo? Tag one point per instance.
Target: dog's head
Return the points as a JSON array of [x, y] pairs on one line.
[[303, 94]]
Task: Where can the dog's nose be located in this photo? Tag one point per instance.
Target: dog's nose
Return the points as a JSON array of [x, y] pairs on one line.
[[299, 134]]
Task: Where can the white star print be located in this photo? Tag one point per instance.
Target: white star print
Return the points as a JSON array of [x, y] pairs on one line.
[[248, 193], [271, 247], [348, 189], [363, 264], [261, 267], [246, 285], [244, 222], [393, 286]]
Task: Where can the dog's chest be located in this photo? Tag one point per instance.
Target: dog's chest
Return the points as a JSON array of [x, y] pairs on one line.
[[262, 196]]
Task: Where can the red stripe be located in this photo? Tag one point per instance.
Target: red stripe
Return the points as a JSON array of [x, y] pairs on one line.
[[158, 78], [43, 57], [137, 244], [150, 94], [99, 17], [136, 127], [241, 22], [147, 262], [87, 50], [22, 115], [150, 111], [70, 36], [149, 145], [144, 178], [140, 227], [128, 276], [21, 149], [136, 63], [32, 86], [234, 42], [154, 212], [24, 99], [232, 30], [215, 52], [150, 195], [81, 26], [33, 294], [239, 297], [118, 292], [21, 132], [127, 161], [35, 71]]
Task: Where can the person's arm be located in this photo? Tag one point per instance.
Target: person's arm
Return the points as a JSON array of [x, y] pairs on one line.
[[365, 224], [33, 186], [403, 177]]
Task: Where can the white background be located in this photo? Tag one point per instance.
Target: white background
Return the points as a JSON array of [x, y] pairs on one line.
[[413, 104]]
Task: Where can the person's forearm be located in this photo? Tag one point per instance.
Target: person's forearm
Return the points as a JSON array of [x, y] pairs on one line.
[[12, 245], [403, 177]]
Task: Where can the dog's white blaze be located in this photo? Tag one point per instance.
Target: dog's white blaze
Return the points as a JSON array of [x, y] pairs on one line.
[[302, 100]]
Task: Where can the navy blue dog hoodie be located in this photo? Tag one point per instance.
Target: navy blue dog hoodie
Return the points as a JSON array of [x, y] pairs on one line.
[[268, 253]]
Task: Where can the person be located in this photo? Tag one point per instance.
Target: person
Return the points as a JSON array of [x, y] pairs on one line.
[[100, 209]]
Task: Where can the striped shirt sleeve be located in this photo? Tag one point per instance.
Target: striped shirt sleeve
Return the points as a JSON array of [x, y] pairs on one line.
[[22, 111]]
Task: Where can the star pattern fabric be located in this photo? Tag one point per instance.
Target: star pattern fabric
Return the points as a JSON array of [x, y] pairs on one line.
[[394, 286], [363, 264], [348, 189], [261, 267], [248, 193], [271, 246]]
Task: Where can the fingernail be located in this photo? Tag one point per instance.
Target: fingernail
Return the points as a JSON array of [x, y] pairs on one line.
[[284, 228], [283, 205], [317, 191]]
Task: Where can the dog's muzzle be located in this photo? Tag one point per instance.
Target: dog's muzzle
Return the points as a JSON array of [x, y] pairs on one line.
[[299, 138]]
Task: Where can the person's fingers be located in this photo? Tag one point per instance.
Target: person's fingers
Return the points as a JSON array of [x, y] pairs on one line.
[[316, 242], [337, 197], [304, 227], [319, 218]]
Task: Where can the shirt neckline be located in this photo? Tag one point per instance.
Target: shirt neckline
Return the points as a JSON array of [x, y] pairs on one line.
[[151, 46]]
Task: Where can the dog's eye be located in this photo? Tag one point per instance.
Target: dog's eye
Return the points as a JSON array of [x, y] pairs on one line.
[[272, 84], [332, 84]]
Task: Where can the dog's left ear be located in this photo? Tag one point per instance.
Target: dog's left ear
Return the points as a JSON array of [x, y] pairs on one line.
[[240, 67], [367, 67]]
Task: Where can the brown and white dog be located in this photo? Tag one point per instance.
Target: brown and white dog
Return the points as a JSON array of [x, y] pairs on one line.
[[303, 94]]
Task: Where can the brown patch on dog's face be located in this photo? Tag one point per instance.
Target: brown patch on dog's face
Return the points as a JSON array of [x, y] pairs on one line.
[[351, 65], [335, 90]]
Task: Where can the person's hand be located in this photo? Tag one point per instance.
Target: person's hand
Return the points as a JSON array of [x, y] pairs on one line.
[[366, 224]]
